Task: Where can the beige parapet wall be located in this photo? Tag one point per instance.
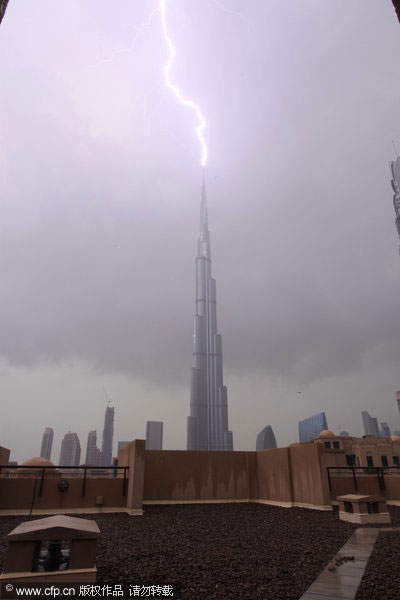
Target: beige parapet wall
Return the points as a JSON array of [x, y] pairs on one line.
[[283, 476], [293, 476]]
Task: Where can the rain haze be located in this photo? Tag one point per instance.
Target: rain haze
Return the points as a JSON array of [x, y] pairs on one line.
[[100, 183]]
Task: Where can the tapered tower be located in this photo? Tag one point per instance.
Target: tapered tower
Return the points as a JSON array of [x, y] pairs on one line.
[[207, 425], [395, 168]]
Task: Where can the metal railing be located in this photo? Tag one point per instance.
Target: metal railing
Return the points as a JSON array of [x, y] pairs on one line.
[[354, 471], [60, 471]]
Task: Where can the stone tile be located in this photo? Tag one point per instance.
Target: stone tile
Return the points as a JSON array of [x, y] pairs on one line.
[[347, 592]]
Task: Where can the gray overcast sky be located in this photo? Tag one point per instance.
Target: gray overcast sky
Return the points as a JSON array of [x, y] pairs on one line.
[[100, 189]]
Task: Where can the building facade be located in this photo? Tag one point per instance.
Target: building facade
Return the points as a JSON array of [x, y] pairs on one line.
[[395, 168], [47, 443], [266, 439], [367, 451], [370, 424], [108, 434], [70, 454], [154, 435], [312, 426], [207, 424], [93, 453]]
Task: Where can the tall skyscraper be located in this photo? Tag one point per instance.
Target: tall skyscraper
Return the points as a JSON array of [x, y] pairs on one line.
[[70, 454], [395, 168], [47, 443], [207, 425], [311, 427], [108, 433], [154, 435], [370, 424], [266, 439], [398, 400], [93, 453]]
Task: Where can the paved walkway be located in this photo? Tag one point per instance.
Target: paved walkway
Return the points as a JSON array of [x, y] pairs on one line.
[[342, 576]]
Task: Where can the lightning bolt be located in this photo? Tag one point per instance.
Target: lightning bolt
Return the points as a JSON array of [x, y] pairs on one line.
[[136, 37], [184, 101]]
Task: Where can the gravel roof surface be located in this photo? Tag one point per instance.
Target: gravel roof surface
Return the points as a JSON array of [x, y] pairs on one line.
[[382, 575], [217, 551]]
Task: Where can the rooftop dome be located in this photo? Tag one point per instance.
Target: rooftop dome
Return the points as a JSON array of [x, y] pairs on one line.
[[37, 461], [326, 433], [395, 438]]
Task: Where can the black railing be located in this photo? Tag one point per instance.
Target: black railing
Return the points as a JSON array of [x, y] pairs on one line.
[[61, 471], [379, 472]]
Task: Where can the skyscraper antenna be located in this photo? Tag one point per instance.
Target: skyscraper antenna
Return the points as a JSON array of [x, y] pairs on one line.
[[395, 149]]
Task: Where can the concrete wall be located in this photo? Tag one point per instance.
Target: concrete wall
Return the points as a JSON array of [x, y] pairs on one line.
[[17, 493], [309, 476], [179, 475], [4, 455], [283, 476], [366, 484], [273, 476]]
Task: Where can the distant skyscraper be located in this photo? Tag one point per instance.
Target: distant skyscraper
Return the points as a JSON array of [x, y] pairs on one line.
[[344, 433], [108, 433], [47, 443], [266, 439], [70, 454], [154, 435], [93, 453], [385, 430], [311, 427], [207, 425], [398, 400], [370, 424], [395, 168]]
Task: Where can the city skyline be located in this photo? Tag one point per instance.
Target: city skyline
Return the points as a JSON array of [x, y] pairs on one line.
[[99, 182]]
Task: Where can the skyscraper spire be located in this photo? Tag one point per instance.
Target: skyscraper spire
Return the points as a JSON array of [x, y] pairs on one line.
[[395, 168], [207, 427]]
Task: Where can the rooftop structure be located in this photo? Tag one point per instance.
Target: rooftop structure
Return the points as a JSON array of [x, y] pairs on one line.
[[207, 425], [312, 426]]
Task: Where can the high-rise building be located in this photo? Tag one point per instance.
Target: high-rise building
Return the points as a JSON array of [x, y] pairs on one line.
[[207, 425], [121, 445], [47, 443], [108, 433], [70, 454], [93, 453], [266, 439], [344, 433], [370, 424], [311, 427], [395, 168], [385, 430], [154, 435], [398, 400]]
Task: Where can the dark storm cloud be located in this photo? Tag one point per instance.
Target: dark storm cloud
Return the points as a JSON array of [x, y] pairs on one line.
[[98, 233]]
